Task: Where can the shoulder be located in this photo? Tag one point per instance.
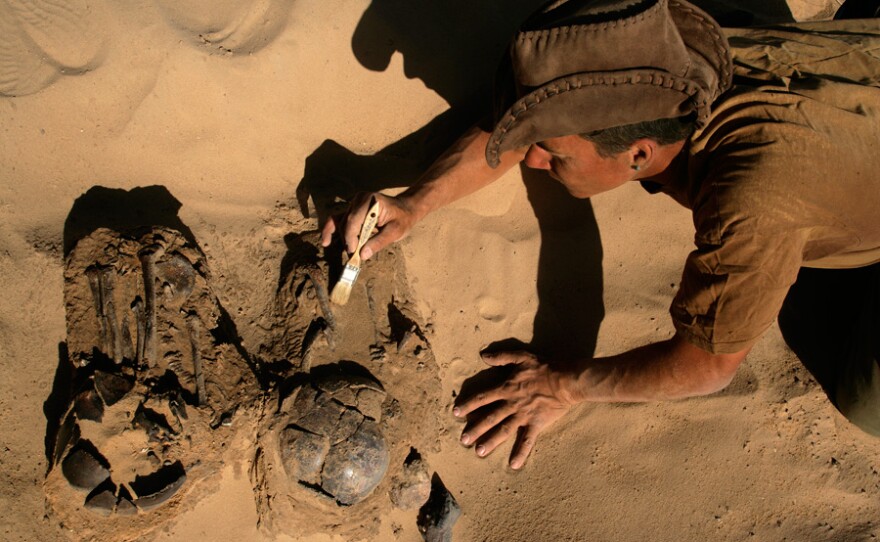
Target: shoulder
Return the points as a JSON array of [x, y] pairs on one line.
[[748, 164]]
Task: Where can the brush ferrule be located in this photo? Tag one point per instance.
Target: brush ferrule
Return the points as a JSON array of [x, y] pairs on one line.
[[349, 274]]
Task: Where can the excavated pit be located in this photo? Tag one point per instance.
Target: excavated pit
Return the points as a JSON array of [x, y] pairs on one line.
[[162, 395]]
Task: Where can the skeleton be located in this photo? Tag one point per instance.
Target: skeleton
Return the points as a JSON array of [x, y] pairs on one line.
[[128, 440], [152, 418]]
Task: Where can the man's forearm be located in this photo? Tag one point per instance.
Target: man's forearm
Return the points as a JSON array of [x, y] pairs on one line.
[[672, 369], [460, 171]]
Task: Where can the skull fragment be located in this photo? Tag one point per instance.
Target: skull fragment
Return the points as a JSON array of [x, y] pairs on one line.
[[333, 442]]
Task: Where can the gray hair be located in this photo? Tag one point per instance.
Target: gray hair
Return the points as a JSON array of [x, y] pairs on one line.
[[612, 141]]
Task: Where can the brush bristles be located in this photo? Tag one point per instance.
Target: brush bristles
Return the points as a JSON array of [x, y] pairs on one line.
[[342, 290]]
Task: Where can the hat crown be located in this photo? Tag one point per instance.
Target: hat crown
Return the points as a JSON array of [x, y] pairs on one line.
[[583, 65], [574, 37]]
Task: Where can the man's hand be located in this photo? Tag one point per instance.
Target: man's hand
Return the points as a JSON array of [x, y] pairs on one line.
[[396, 219], [461, 170], [527, 402], [536, 394]]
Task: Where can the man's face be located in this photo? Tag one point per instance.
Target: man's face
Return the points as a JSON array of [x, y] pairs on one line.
[[574, 162]]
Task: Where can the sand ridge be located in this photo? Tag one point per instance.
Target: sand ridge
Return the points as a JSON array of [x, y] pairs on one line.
[[44, 39]]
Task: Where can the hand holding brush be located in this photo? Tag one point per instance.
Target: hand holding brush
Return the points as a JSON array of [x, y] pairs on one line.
[[342, 289]]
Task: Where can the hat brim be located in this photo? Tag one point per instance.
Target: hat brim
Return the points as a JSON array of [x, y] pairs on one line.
[[565, 106]]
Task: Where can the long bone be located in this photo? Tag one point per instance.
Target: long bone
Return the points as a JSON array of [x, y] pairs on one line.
[[127, 346], [148, 257], [324, 303], [94, 276], [138, 308], [115, 336], [193, 324]]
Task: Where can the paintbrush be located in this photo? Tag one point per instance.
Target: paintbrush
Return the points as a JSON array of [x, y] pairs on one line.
[[342, 290]]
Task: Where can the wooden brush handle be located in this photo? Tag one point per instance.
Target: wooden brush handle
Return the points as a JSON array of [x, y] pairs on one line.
[[369, 223]]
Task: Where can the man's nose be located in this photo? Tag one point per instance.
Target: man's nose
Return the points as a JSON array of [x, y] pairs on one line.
[[537, 158]]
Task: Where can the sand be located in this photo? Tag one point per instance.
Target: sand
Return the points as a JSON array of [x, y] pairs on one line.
[[220, 121]]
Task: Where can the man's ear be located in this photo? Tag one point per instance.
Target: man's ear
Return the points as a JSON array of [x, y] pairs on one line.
[[641, 153]]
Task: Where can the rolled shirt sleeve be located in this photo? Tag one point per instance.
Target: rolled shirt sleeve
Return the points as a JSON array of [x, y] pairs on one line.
[[732, 290]]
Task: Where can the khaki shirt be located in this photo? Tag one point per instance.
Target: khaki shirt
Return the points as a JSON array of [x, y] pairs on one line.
[[785, 174]]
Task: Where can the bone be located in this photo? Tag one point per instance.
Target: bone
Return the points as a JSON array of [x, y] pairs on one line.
[[371, 305], [67, 436], [177, 275], [107, 286], [103, 502], [148, 258], [323, 300], [194, 325], [88, 406], [94, 275], [153, 500], [324, 303], [112, 387], [316, 335], [178, 407], [127, 346], [138, 308], [125, 507], [83, 470]]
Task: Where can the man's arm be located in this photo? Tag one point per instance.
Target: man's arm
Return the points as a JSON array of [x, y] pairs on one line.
[[672, 369], [537, 393], [460, 171]]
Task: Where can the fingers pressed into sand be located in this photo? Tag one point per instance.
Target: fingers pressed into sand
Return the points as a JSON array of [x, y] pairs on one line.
[[499, 433], [485, 422], [525, 442], [483, 398]]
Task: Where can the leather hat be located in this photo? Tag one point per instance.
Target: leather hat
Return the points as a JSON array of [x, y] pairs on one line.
[[584, 65]]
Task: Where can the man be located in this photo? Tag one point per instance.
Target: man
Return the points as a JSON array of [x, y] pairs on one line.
[[777, 166]]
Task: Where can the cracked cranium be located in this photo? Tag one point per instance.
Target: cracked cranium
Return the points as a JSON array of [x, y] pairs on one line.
[[333, 442]]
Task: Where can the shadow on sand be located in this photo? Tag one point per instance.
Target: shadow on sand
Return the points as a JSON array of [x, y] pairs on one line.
[[455, 47], [831, 320], [123, 210]]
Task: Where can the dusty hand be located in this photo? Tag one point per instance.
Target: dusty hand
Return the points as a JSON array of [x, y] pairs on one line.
[[395, 221], [526, 403]]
